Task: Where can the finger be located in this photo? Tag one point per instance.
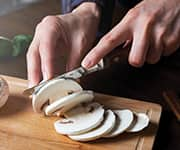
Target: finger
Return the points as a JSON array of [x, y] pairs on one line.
[[50, 56], [139, 49], [156, 46], [75, 55], [49, 33], [115, 37], [171, 38], [73, 61], [171, 43], [153, 55], [33, 64]]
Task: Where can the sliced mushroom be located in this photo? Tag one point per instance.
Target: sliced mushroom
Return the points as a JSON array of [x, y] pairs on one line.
[[66, 103], [140, 122], [124, 118], [106, 126], [52, 91], [80, 119], [4, 92]]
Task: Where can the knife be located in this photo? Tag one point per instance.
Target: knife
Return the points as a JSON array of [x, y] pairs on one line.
[[74, 74]]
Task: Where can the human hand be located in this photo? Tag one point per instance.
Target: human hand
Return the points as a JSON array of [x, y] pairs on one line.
[[153, 28], [73, 33]]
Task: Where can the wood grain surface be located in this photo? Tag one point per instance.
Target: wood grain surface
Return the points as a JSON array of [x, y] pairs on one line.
[[21, 128]]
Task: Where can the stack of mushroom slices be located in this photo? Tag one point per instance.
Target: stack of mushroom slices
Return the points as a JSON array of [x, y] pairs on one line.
[[83, 119]]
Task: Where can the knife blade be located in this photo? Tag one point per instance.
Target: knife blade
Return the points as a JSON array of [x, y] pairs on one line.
[[74, 74]]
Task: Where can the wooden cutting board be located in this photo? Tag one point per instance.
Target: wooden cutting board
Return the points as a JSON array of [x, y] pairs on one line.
[[22, 129]]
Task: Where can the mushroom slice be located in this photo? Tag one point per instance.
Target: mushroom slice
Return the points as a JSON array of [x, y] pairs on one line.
[[140, 122], [124, 118], [66, 103], [80, 119], [106, 126], [52, 91], [4, 92]]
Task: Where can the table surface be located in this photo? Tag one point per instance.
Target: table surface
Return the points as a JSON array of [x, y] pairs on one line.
[[120, 79]]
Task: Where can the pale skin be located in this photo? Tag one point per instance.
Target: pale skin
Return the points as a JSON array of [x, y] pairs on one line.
[[152, 26]]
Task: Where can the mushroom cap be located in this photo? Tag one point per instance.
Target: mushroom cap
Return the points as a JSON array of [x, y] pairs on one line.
[[52, 91], [124, 118], [4, 92], [106, 126], [66, 103], [80, 119], [140, 122]]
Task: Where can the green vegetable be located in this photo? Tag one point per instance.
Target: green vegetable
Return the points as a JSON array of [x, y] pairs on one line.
[[18, 45], [21, 44], [6, 47]]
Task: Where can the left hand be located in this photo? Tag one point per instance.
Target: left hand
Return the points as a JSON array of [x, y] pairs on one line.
[[153, 28]]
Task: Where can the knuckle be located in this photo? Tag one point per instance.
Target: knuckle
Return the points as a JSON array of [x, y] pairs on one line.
[[133, 12], [49, 19], [49, 23], [109, 39], [148, 18], [144, 18], [152, 15], [170, 41], [38, 27]]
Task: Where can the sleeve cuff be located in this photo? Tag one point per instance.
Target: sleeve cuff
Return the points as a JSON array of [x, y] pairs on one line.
[[69, 5], [75, 3], [129, 4]]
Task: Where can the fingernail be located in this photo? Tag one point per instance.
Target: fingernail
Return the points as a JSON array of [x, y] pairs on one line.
[[30, 84], [45, 76], [86, 64]]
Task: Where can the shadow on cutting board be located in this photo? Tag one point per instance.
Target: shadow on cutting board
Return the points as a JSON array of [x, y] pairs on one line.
[[14, 105]]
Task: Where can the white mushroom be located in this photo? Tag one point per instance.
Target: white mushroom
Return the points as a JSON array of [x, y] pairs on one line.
[[66, 103], [52, 91], [4, 92], [106, 126], [80, 119], [124, 118], [140, 122]]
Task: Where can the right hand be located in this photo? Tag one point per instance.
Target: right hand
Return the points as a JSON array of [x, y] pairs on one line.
[[74, 32]]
